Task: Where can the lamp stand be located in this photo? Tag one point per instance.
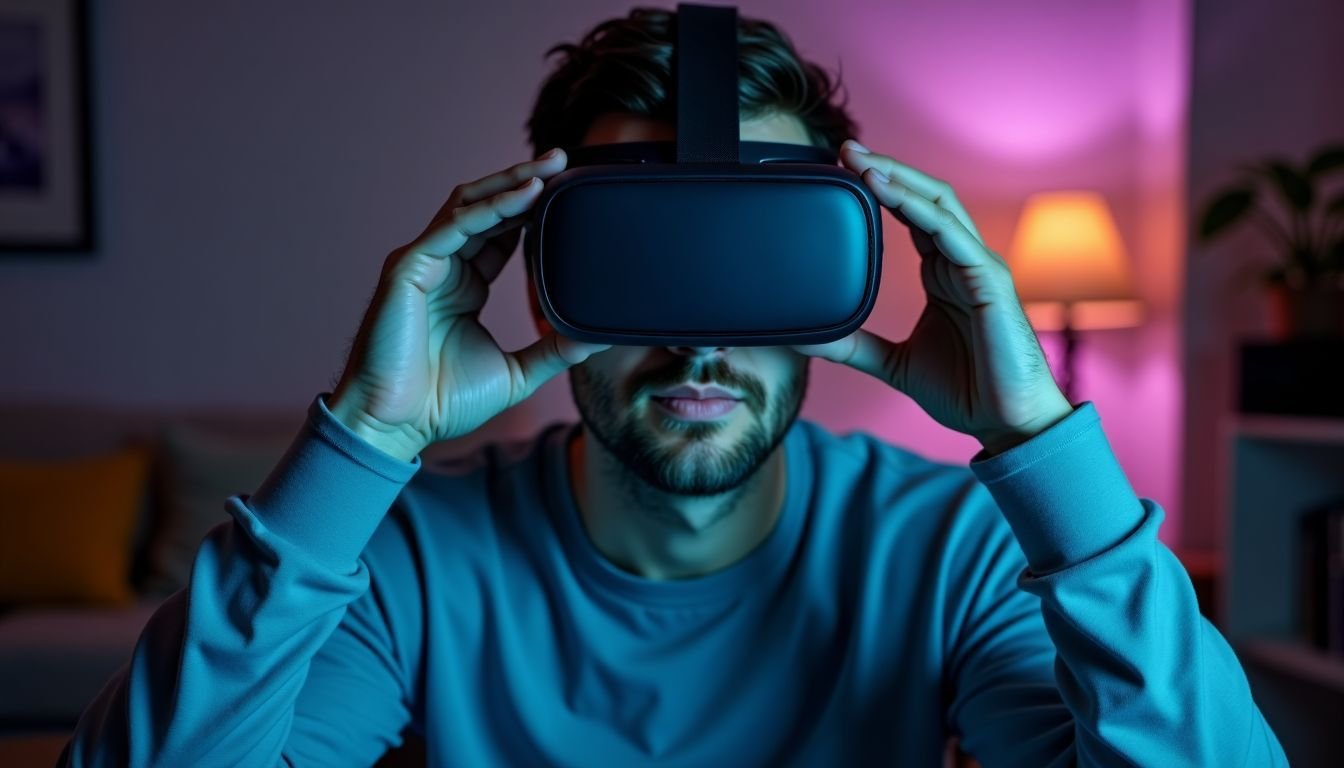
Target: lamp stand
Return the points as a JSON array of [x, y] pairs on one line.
[[1067, 377]]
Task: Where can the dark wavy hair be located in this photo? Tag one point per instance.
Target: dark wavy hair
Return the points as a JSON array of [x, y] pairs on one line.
[[625, 65]]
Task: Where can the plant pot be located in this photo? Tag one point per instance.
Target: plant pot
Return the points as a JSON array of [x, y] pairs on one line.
[[1314, 310]]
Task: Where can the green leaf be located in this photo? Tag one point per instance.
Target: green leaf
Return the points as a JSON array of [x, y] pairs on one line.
[[1296, 188], [1226, 209], [1330, 157]]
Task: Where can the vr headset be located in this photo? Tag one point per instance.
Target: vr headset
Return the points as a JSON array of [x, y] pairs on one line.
[[707, 240]]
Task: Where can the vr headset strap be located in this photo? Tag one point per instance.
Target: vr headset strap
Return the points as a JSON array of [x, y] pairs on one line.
[[706, 84]]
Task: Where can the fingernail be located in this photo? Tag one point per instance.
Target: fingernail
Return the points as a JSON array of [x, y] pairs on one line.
[[859, 147], [550, 153]]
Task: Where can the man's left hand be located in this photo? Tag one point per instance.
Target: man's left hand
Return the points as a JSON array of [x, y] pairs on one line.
[[972, 361]]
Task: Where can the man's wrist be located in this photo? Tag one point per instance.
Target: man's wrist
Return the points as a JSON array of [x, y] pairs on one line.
[[1063, 492], [392, 441], [1000, 441]]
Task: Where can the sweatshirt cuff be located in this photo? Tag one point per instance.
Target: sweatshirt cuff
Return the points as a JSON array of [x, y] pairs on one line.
[[330, 490], [1062, 492]]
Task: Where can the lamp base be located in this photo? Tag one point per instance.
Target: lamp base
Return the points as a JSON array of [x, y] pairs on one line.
[[1067, 375]]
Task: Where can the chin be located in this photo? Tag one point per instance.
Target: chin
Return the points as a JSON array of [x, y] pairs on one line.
[[697, 431]]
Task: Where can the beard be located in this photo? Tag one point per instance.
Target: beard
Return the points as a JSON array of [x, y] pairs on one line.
[[694, 462]]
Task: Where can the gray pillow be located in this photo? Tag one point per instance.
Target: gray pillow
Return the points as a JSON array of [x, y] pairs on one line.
[[201, 469]]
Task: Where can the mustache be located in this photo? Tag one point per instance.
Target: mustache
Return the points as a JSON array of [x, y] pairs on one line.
[[716, 372]]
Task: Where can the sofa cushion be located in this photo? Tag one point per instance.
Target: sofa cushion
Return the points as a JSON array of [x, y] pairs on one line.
[[68, 528], [54, 660], [200, 469], [35, 431]]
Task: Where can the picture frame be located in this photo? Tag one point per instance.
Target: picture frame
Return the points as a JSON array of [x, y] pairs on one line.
[[46, 195]]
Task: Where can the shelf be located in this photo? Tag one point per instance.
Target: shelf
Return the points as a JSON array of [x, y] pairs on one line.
[[1298, 429], [1297, 659]]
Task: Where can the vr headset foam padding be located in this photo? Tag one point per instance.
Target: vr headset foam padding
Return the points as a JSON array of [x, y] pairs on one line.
[[705, 241]]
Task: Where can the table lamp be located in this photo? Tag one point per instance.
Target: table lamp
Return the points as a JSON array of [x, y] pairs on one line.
[[1071, 271]]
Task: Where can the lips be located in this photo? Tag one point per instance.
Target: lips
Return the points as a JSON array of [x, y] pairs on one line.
[[697, 393], [694, 409]]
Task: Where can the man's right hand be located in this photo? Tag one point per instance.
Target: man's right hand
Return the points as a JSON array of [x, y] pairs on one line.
[[422, 367]]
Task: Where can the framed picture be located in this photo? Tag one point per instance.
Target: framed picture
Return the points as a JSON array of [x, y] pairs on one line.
[[45, 194]]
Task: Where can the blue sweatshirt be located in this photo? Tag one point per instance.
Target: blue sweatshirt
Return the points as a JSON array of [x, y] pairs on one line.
[[1023, 603]]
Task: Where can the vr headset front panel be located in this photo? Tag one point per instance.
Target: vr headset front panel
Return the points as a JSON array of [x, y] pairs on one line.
[[699, 256]]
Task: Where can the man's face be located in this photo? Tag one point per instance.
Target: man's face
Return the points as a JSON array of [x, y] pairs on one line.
[[680, 445]]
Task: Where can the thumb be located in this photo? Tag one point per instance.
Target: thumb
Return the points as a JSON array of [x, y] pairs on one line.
[[868, 352], [540, 361]]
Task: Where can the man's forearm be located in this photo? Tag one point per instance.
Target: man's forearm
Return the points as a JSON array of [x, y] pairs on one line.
[[219, 666], [1146, 677]]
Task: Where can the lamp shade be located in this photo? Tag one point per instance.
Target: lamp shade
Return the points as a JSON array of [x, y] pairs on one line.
[[1067, 258]]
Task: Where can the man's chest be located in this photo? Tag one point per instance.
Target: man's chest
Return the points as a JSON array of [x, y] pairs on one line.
[[749, 680]]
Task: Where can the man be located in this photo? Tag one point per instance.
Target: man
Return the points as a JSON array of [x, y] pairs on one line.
[[691, 576]]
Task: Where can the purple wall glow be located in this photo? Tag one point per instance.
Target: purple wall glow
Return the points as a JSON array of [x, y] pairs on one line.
[[1002, 101], [1020, 86], [248, 194]]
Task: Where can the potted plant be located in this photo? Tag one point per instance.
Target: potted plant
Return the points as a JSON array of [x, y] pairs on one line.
[[1288, 204]]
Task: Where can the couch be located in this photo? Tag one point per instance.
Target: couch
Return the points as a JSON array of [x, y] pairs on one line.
[[57, 650]]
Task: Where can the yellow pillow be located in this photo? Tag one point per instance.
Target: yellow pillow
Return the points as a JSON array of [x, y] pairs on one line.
[[66, 528]]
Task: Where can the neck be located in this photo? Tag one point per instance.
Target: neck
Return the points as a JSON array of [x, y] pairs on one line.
[[659, 535]]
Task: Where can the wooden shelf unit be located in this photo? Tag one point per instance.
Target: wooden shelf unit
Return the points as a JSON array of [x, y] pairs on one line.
[[1275, 469]]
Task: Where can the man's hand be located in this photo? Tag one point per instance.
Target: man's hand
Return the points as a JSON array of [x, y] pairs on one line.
[[972, 361], [423, 368]]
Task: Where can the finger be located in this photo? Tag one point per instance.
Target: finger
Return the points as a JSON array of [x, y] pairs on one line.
[[937, 190], [543, 168], [495, 253], [491, 249], [498, 213], [958, 308], [933, 283], [947, 282], [953, 239], [939, 286], [924, 244], [539, 362], [864, 351]]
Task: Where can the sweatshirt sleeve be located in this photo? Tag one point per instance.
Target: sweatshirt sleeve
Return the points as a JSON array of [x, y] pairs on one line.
[[218, 669], [1143, 676]]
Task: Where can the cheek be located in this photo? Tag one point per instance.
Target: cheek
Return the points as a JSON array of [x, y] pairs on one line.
[[616, 364], [783, 370], [609, 369], [792, 382]]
